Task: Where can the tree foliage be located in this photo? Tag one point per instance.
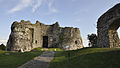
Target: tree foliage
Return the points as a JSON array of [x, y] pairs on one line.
[[92, 40], [2, 47]]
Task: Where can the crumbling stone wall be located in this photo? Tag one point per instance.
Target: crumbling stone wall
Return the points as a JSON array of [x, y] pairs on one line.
[[107, 26], [70, 37], [26, 36]]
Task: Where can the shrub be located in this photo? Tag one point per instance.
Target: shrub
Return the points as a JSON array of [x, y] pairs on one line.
[[2, 47]]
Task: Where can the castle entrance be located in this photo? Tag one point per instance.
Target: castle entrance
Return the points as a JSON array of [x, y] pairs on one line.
[[45, 41]]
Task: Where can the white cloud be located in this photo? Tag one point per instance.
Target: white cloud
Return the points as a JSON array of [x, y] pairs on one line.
[[3, 41], [51, 7], [34, 4], [37, 4], [49, 3], [21, 5], [85, 42]]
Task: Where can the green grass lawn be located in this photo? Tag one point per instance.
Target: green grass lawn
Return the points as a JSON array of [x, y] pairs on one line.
[[47, 49], [16, 59], [87, 58]]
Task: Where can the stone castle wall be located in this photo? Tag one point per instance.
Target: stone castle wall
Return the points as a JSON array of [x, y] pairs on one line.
[[26, 36], [107, 26]]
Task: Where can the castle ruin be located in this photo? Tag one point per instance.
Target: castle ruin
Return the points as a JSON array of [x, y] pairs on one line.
[[26, 36], [107, 26]]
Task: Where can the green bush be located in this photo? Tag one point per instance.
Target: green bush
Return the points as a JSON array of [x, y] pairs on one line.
[[2, 47]]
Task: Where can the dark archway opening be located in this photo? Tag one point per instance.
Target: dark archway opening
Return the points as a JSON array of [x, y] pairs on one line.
[[45, 41]]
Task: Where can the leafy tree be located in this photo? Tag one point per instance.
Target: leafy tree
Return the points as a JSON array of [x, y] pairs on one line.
[[2, 47], [92, 40], [22, 21]]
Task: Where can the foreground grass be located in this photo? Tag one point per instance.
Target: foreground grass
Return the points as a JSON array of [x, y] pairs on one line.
[[15, 59], [87, 58], [47, 49]]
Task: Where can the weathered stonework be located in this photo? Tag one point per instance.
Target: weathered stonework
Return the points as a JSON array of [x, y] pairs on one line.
[[26, 36], [107, 26]]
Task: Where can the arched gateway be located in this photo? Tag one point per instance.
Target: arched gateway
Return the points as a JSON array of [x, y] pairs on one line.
[[107, 26]]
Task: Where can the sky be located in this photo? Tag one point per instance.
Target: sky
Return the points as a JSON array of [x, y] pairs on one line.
[[82, 14]]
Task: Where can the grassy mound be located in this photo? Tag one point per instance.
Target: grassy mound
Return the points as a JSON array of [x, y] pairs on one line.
[[87, 58], [15, 59]]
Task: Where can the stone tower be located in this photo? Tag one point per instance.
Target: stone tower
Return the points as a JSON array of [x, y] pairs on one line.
[[26, 36], [107, 26]]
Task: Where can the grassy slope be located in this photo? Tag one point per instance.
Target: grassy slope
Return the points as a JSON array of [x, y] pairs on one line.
[[15, 59], [87, 58]]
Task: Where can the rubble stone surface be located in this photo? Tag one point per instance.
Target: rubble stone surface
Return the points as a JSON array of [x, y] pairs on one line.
[[26, 36], [107, 27]]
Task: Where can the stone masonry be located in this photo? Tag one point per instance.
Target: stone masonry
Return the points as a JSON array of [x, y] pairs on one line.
[[26, 36], [107, 26]]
